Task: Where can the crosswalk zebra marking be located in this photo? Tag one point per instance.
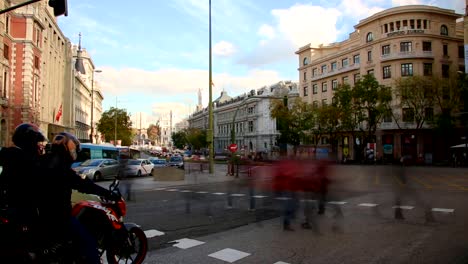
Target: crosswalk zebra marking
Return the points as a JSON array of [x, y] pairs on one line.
[[229, 255]]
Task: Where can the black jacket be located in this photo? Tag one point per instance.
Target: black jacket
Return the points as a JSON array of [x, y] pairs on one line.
[[59, 180], [19, 179]]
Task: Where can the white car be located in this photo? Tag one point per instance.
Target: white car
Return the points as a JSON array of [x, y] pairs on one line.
[[138, 167]]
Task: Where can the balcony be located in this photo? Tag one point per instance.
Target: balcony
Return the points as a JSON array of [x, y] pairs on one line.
[[355, 66], [407, 55]]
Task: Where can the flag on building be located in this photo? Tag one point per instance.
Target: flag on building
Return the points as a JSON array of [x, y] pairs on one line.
[[59, 114]]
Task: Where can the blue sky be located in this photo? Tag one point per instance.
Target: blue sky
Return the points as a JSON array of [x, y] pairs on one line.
[[154, 54]]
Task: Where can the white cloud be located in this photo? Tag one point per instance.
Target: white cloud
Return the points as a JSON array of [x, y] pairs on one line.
[[294, 27], [406, 2], [179, 82], [224, 49], [266, 31], [359, 9]]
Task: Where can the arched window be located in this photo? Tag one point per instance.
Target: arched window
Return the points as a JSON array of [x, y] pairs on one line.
[[305, 61], [444, 30], [370, 37]]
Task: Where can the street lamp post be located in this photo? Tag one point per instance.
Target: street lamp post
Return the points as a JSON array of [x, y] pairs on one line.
[[210, 104], [92, 105], [115, 125]]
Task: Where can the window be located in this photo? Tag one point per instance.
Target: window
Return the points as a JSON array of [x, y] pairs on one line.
[[333, 66], [429, 114], [445, 49], [427, 46], [36, 62], [444, 30], [407, 69], [445, 70], [386, 50], [370, 37], [387, 118], [405, 46], [334, 100], [418, 24], [411, 23], [334, 84], [315, 104], [5, 84], [427, 69], [408, 114], [357, 77], [6, 51], [305, 76], [356, 59], [387, 72], [324, 102], [386, 28], [461, 52], [369, 55], [324, 87], [305, 61], [314, 72], [345, 80], [324, 68], [7, 25], [314, 89], [344, 63], [251, 126], [371, 72], [306, 91]]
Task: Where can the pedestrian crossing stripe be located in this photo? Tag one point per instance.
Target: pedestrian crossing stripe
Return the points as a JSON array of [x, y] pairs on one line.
[[185, 243], [237, 194], [219, 193], [443, 210], [337, 202], [153, 232], [405, 207], [367, 204], [229, 255]]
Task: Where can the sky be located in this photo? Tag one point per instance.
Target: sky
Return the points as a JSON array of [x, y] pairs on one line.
[[154, 54]]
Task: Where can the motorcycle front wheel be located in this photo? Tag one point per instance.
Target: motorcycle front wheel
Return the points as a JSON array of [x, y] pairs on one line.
[[135, 252]]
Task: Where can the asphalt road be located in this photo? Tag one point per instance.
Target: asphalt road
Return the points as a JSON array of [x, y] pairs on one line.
[[358, 226]]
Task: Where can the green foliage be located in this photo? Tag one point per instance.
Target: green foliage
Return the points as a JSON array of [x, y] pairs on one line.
[[179, 139], [196, 138], [107, 125], [417, 93], [371, 102]]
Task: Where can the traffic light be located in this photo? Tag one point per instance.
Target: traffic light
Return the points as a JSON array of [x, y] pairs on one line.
[[59, 6]]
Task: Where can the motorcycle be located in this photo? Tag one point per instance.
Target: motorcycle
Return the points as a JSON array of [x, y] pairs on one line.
[[121, 242]]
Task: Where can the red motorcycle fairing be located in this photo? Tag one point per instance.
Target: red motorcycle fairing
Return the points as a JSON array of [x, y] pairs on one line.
[[108, 212]]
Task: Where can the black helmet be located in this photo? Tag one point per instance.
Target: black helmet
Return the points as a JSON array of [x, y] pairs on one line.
[[63, 139], [26, 136]]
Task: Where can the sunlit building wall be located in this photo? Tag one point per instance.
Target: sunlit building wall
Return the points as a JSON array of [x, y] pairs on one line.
[[397, 42]]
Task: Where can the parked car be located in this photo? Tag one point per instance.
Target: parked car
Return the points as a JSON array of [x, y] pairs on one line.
[[176, 161], [158, 162], [98, 169], [138, 167]]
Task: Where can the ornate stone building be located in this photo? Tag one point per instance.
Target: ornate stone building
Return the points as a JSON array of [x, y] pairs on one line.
[[397, 42], [248, 114]]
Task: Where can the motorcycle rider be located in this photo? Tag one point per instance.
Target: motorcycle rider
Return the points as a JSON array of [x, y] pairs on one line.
[[55, 202], [18, 189]]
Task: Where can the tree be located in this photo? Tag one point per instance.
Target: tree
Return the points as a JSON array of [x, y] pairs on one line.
[[196, 138], [179, 139], [107, 125], [154, 132], [371, 101], [293, 121], [416, 95]]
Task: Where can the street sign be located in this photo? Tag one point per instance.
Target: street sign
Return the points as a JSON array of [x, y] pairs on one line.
[[232, 148]]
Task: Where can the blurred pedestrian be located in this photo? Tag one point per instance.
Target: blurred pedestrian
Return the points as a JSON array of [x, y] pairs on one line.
[[285, 186], [126, 184]]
